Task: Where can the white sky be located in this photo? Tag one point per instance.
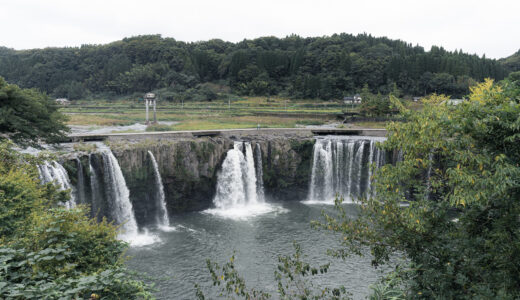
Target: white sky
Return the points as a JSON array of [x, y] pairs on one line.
[[482, 27]]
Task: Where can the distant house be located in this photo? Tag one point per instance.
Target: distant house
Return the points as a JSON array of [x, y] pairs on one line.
[[63, 101], [416, 99], [348, 100], [352, 99]]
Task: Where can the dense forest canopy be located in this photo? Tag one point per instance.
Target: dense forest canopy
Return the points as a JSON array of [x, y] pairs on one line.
[[327, 67], [512, 63]]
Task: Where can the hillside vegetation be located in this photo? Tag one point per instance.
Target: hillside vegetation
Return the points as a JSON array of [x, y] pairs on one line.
[[512, 63], [327, 67]]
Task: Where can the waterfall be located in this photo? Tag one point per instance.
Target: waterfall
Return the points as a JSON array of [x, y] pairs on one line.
[[259, 173], [360, 168], [346, 186], [95, 190], [118, 195], [250, 174], [239, 190], [54, 172], [341, 167], [370, 162], [81, 182], [321, 180], [162, 213], [236, 183]]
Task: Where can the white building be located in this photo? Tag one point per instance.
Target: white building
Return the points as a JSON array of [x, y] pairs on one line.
[[63, 101], [352, 99]]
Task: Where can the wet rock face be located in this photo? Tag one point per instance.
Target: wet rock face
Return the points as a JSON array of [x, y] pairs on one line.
[[90, 175], [189, 169], [287, 167]]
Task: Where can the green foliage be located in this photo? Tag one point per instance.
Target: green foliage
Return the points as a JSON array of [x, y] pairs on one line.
[[26, 116], [374, 105], [49, 252], [292, 277], [459, 179], [159, 127], [84, 147], [314, 67], [72, 90], [18, 280], [512, 62], [20, 190], [230, 282], [93, 245], [390, 288]]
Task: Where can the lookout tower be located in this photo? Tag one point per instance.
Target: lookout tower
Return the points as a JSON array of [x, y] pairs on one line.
[[150, 99]]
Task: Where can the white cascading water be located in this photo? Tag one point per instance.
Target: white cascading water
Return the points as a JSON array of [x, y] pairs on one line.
[[341, 167], [321, 186], [259, 173], [54, 172], [121, 207], [250, 174], [117, 197], [162, 215], [360, 168], [370, 162], [81, 182], [237, 195], [95, 189]]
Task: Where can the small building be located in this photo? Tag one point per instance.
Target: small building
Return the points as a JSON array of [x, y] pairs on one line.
[[348, 100], [62, 101], [416, 99], [352, 99], [149, 96]]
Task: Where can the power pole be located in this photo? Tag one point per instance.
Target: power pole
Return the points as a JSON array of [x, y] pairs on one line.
[[154, 112], [146, 103]]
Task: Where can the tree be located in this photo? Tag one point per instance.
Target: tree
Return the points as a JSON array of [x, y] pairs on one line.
[[449, 208], [330, 66], [28, 116], [375, 105], [451, 205], [50, 252]]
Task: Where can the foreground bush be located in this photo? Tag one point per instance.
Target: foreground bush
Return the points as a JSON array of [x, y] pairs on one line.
[[451, 206], [49, 252]]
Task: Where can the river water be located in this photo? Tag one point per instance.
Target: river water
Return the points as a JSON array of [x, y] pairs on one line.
[[177, 261]]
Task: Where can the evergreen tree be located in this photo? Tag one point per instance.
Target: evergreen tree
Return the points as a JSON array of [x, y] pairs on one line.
[[27, 116]]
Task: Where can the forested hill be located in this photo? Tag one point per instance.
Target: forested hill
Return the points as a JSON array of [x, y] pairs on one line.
[[512, 63], [316, 67]]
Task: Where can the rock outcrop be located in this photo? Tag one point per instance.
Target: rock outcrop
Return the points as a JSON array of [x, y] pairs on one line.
[[189, 168]]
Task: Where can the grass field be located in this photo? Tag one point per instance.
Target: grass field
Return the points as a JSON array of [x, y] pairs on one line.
[[245, 112]]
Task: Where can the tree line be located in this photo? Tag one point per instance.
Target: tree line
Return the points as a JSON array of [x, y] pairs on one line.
[[328, 67]]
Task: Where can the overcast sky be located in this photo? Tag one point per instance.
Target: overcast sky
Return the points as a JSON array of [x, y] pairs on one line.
[[483, 27]]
